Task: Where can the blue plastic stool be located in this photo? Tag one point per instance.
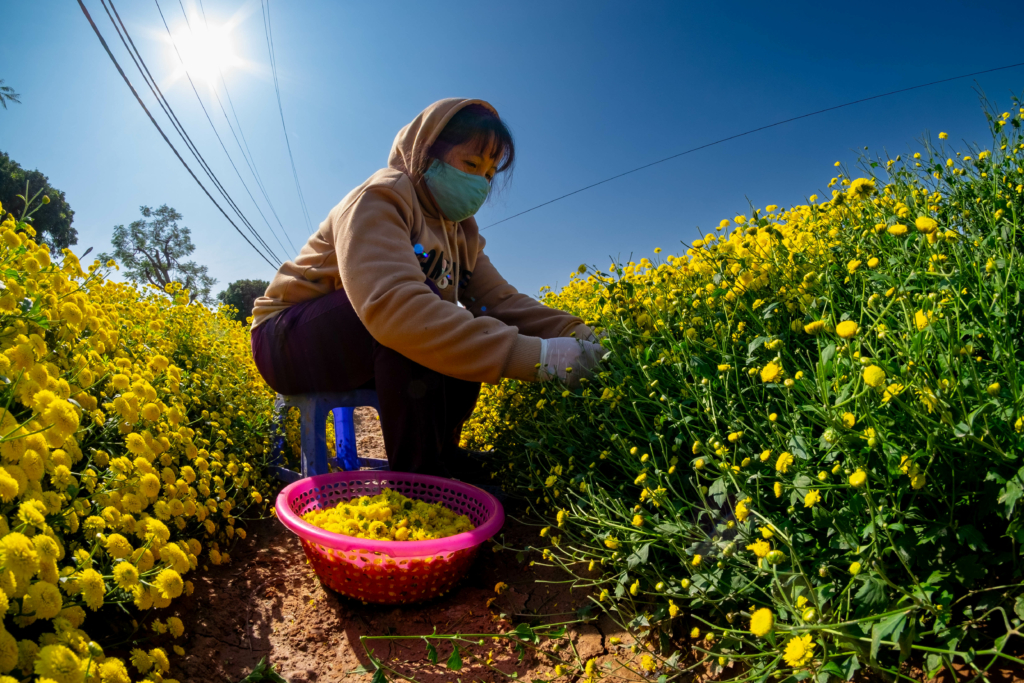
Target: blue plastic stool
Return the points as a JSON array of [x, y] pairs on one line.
[[314, 409]]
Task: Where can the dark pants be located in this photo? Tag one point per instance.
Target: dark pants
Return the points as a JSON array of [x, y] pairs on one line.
[[322, 346]]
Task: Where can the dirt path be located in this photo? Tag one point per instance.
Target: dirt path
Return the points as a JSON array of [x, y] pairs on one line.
[[268, 603]]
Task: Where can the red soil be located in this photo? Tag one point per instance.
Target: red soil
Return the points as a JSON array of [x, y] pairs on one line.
[[268, 603]]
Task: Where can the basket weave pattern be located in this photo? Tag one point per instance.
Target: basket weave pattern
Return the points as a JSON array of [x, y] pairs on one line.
[[388, 572]]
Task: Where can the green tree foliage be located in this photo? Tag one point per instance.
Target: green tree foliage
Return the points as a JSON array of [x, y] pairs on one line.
[[7, 94], [52, 221], [241, 294], [151, 249]]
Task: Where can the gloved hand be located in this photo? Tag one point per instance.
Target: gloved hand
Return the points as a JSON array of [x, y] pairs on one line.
[[560, 354]]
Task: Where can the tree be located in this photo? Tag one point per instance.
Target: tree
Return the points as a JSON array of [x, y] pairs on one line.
[[241, 294], [7, 94], [52, 221], [150, 252]]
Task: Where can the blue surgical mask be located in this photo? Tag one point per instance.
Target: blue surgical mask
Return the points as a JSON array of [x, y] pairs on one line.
[[458, 194]]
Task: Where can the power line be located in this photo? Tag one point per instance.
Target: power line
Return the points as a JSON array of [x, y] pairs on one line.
[[150, 81], [753, 130], [247, 154], [174, 44], [265, 5], [140, 64], [142, 104]]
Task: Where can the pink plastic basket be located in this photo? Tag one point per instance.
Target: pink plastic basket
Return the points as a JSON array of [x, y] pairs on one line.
[[388, 572]]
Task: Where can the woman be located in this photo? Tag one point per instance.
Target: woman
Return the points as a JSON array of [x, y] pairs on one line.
[[372, 300]]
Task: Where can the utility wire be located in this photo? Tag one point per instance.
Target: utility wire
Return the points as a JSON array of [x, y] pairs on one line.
[[140, 64], [142, 104], [265, 4], [174, 44], [753, 130], [247, 154]]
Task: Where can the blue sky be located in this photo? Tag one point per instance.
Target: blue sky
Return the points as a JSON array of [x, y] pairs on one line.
[[590, 89]]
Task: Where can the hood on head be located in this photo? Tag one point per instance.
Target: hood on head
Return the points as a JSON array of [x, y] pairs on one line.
[[409, 150]]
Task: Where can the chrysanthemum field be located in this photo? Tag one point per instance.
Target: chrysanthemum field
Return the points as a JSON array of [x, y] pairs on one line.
[[805, 441], [800, 459], [133, 435]]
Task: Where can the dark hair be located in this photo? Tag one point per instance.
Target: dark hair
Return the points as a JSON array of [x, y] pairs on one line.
[[477, 123]]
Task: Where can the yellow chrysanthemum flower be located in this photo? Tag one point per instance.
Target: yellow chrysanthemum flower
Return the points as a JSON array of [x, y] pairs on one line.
[[874, 376], [799, 651], [762, 622], [771, 372], [847, 329], [858, 478]]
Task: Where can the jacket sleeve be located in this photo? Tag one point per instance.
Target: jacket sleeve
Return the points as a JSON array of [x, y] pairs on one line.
[[388, 291], [489, 294]]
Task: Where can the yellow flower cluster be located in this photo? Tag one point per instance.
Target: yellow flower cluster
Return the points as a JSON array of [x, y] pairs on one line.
[[130, 443], [847, 365], [390, 516]]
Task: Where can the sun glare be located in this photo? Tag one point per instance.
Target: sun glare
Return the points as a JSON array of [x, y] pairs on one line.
[[206, 52]]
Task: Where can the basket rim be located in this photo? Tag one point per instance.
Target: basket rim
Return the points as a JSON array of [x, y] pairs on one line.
[[465, 540]]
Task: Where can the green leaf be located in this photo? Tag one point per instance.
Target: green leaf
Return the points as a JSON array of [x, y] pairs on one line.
[[264, 671], [1018, 607], [454, 662], [798, 446], [971, 537], [852, 665], [639, 556], [893, 624], [827, 354], [933, 663], [557, 633], [719, 490], [526, 633], [873, 592], [803, 484], [968, 569], [833, 669], [431, 653], [378, 677], [906, 640]]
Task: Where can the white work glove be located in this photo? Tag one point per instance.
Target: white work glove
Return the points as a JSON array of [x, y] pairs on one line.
[[568, 359]]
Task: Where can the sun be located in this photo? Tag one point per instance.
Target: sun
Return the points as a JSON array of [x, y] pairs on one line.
[[207, 52]]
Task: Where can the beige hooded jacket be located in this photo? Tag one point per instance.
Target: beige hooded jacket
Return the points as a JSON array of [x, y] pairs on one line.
[[383, 241]]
